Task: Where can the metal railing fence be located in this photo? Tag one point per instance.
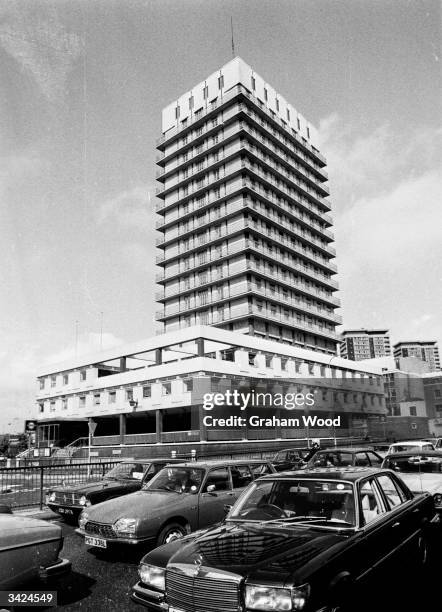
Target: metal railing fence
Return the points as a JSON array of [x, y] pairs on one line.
[[26, 486]]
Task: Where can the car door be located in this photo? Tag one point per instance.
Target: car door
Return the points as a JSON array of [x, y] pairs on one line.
[[377, 540], [404, 514], [216, 492]]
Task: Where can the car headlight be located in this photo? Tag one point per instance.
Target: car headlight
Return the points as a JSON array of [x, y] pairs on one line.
[[51, 496], [125, 525], [83, 519], [153, 576], [276, 599], [437, 499], [83, 501]]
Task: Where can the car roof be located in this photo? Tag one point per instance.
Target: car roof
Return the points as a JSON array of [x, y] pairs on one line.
[[345, 449], [411, 443], [220, 462], [422, 453], [351, 474], [148, 461], [293, 448]]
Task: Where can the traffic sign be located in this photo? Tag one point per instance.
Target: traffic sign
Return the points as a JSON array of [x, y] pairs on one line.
[[92, 426]]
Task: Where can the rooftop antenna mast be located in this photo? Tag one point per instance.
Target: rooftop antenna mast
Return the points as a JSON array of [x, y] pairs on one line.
[[233, 42]]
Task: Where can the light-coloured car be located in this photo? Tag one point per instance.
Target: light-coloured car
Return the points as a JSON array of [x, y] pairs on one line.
[[181, 498], [410, 446], [421, 472], [29, 549]]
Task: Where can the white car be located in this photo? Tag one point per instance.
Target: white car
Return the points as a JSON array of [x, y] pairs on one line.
[[411, 447]]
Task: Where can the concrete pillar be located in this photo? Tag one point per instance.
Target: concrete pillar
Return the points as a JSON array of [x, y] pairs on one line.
[[159, 424], [202, 427], [200, 347], [158, 356], [123, 367], [122, 419]]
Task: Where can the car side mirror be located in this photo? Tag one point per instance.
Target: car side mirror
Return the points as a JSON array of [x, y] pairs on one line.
[[227, 508], [193, 489]]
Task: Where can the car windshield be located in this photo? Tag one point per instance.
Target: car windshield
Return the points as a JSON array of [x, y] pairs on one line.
[[280, 456], [177, 479], [410, 448], [126, 471], [331, 459], [304, 501], [414, 463]]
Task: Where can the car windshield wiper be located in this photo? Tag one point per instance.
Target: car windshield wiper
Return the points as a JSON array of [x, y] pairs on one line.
[[286, 519], [309, 519]]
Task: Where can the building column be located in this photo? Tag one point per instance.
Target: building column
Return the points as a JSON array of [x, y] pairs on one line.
[[158, 356], [122, 418], [123, 367], [203, 429], [200, 347], [159, 424]]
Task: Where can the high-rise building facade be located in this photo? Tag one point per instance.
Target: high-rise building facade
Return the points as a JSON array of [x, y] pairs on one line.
[[245, 220], [426, 351], [358, 344]]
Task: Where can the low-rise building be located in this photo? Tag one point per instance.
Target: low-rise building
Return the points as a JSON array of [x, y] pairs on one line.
[[433, 399], [153, 392]]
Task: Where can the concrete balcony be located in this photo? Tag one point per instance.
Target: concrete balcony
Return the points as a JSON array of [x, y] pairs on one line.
[[159, 174], [244, 290], [159, 259]]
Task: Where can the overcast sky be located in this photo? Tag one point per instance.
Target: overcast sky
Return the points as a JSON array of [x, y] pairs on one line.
[[82, 85]]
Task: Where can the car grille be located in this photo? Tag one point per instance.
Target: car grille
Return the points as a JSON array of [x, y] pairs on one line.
[[67, 499], [202, 593], [98, 529]]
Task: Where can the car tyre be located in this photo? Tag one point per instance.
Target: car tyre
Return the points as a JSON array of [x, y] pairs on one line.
[[170, 533]]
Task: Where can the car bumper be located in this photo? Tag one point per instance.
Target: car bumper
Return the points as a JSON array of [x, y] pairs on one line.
[[60, 568], [66, 510], [132, 541], [152, 600]]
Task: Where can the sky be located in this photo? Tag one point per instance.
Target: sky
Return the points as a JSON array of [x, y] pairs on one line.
[[82, 85]]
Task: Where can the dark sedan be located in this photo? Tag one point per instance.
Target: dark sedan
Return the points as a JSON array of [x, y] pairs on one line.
[[292, 458], [298, 541], [345, 457], [126, 477], [180, 499]]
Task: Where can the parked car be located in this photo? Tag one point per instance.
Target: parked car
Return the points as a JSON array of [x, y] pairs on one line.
[[29, 549], [125, 477], [420, 471], [410, 446], [293, 541], [344, 457], [437, 442], [292, 458], [180, 499]]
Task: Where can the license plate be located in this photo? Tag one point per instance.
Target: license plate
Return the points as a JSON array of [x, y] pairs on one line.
[[95, 542], [65, 511]]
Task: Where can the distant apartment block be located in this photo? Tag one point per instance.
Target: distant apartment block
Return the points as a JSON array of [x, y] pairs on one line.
[[426, 351], [358, 344], [245, 221]]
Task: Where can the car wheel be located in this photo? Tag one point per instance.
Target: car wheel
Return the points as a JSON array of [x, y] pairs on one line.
[[170, 533]]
